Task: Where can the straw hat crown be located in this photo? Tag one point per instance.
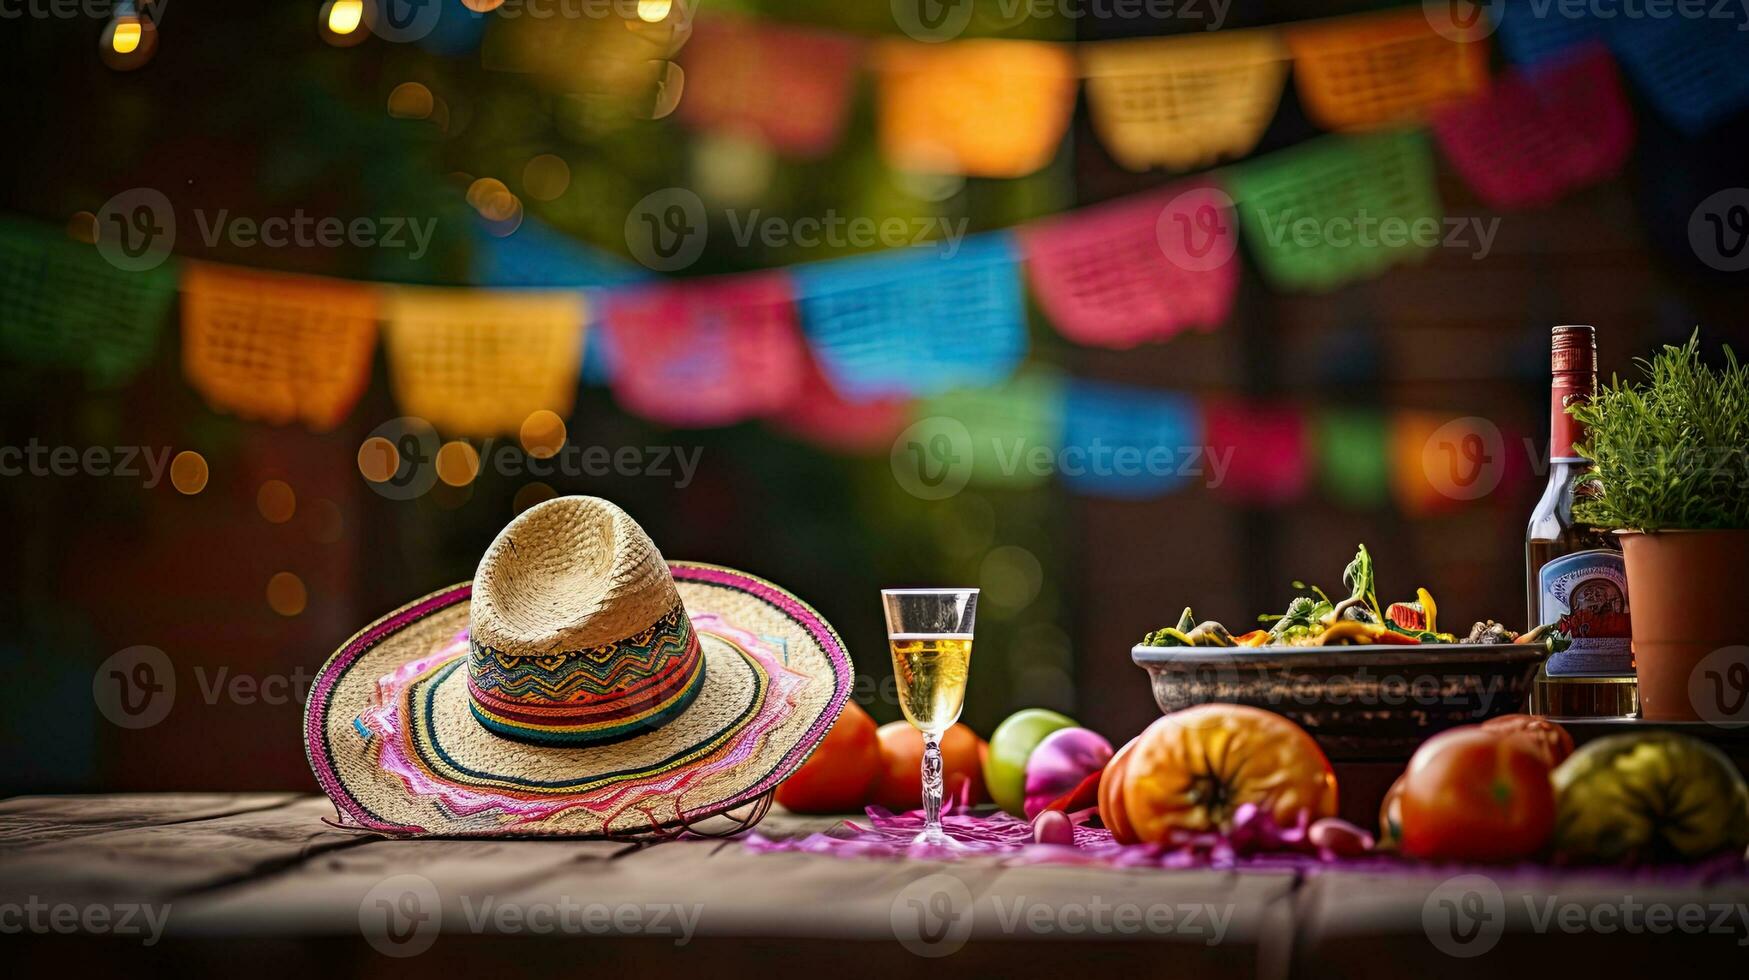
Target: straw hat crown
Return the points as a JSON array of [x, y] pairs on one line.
[[569, 574]]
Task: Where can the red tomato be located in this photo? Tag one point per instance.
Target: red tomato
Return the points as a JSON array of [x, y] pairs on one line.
[[836, 778], [1192, 769], [1476, 795], [1555, 740], [900, 784], [1111, 809]]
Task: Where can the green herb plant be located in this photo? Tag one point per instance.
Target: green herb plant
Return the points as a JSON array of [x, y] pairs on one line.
[[1671, 452]]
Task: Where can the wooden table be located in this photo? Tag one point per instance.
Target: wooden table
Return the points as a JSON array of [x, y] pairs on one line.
[[258, 883]]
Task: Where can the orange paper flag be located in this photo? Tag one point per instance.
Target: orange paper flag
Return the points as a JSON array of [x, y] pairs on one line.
[[1184, 102], [1377, 70], [277, 347], [475, 363], [980, 108]]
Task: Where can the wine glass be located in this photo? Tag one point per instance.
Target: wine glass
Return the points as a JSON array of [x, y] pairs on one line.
[[930, 633]]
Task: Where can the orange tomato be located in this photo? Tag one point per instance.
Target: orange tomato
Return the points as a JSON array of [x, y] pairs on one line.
[[836, 778], [1477, 795], [1555, 740], [1111, 810], [1192, 769], [900, 783]]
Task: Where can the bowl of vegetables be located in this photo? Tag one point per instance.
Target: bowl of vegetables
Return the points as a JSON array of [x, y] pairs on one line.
[[1367, 681]]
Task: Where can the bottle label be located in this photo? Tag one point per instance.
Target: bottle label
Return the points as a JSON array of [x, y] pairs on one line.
[[1585, 594]]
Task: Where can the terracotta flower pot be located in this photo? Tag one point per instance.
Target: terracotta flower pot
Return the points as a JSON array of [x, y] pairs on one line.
[[1689, 596]]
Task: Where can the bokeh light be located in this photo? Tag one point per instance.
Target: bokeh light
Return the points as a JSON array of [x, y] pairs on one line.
[[482, 6], [654, 11], [128, 42], [339, 23], [410, 100], [276, 501], [542, 434], [286, 594], [124, 35], [188, 472], [378, 459], [546, 176], [1010, 576], [529, 495], [458, 463]]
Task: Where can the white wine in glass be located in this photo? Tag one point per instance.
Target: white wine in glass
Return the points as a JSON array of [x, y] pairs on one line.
[[930, 633]]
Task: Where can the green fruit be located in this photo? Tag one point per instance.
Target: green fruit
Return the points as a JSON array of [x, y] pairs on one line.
[[1010, 746], [1656, 796]]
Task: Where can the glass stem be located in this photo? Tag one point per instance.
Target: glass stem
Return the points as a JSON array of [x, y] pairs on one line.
[[932, 789]]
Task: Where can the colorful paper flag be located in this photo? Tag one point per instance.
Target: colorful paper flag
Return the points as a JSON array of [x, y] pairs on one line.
[[538, 255], [1184, 102], [1257, 454], [1695, 70], [980, 108], [1532, 31], [1541, 131], [1136, 270], [1340, 208], [1353, 466], [1376, 70], [706, 352], [62, 305], [790, 87], [1130, 443], [1015, 430], [477, 363], [277, 347], [916, 321]]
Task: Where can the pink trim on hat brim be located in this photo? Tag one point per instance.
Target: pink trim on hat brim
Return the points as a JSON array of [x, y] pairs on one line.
[[315, 719]]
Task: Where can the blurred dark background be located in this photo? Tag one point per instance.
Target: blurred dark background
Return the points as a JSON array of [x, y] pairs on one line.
[[243, 106]]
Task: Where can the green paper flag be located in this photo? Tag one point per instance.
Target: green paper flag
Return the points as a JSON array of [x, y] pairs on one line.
[[1352, 464], [63, 305], [1339, 208], [1004, 436]]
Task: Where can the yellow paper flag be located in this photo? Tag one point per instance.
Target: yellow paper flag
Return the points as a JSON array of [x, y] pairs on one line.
[[1377, 70], [477, 363], [980, 108], [1184, 102], [277, 347]]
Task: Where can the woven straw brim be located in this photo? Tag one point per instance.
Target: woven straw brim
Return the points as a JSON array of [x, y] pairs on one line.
[[749, 727]]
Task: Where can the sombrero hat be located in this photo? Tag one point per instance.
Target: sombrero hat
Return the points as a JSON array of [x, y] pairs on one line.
[[579, 686]]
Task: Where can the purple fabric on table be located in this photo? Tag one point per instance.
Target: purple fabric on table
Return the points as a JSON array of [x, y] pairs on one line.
[[1256, 843]]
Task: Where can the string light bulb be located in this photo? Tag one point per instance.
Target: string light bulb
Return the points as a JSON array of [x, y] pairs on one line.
[[129, 39], [124, 37], [654, 11]]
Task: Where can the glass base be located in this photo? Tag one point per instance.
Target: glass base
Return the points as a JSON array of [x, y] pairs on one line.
[[936, 838]]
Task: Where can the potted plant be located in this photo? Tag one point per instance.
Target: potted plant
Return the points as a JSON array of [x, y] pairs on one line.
[[1672, 462]]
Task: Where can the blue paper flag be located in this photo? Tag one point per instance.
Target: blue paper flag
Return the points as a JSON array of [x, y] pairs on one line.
[[1127, 442], [1537, 30], [1695, 70], [536, 254], [916, 321]]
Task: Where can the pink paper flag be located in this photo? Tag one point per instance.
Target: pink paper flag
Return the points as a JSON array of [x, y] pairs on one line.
[[823, 417], [706, 352], [1264, 450], [1541, 130], [789, 86], [1139, 269]]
